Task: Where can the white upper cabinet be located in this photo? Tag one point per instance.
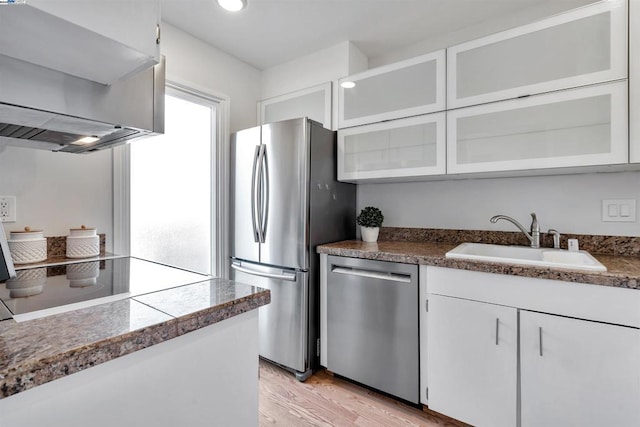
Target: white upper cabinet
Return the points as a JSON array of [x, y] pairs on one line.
[[98, 41], [584, 46], [313, 102], [634, 82], [403, 89], [396, 149], [578, 127]]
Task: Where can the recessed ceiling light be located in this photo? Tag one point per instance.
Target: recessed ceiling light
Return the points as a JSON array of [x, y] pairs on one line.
[[86, 140], [233, 5], [348, 85]]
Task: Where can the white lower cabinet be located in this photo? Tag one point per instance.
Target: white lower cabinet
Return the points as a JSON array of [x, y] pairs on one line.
[[472, 361], [515, 351], [578, 373]]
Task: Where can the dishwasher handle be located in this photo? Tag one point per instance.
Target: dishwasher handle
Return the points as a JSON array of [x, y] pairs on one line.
[[394, 277]]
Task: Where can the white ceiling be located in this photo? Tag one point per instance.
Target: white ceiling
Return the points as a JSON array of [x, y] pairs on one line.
[[271, 32]]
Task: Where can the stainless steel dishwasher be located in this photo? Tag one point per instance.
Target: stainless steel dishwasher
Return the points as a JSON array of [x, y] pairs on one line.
[[372, 324]]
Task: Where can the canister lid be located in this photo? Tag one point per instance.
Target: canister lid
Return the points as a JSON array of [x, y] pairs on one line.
[[26, 230], [83, 227], [83, 231], [26, 234]]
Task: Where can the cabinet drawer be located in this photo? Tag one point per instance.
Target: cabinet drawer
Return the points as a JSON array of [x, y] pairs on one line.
[[591, 302]]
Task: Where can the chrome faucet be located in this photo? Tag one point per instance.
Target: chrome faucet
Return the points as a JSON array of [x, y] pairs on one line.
[[556, 238], [534, 236]]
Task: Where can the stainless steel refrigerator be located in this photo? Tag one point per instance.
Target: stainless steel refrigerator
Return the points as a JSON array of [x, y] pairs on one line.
[[285, 200]]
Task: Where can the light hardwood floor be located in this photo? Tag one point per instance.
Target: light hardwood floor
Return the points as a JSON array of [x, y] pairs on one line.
[[324, 400]]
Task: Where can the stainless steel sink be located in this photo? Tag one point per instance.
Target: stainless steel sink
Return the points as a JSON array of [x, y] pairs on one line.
[[557, 258]]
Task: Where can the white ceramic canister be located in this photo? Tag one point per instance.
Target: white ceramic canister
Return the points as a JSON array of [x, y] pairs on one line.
[[27, 246], [27, 282], [83, 242], [83, 274]]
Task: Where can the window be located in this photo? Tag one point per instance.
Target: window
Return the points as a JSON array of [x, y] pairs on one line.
[[173, 188]]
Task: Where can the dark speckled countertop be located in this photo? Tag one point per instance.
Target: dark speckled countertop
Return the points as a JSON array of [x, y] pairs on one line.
[[401, 245], [41, 350]]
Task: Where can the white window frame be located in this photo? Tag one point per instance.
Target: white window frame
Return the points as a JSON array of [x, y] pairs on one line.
[[219, 188]]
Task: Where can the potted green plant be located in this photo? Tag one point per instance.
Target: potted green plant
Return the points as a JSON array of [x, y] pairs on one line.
[[370, 220]]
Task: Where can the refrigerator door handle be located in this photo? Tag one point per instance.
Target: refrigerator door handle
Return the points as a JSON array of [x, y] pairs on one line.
[[259, 185], [291, 277], [265, 209], [256, 155]]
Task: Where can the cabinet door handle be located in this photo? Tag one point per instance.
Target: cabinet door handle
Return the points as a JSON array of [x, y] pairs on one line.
[[540, 339], [497, 329]]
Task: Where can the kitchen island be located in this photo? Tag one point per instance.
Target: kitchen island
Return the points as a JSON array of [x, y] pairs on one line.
[[181, 356]]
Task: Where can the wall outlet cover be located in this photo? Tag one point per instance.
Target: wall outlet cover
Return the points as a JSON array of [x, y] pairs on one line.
[[7, 208]]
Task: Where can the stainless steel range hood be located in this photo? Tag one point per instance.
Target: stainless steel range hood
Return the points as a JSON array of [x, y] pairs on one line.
[[46, 109]]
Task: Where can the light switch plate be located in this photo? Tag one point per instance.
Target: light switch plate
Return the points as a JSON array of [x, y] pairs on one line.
[[619, 210]]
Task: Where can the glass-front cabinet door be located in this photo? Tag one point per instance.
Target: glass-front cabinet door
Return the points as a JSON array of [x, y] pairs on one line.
[[404, 148], [407, 88], [313, 102], [580, 47], [577, 127], [634, 83]]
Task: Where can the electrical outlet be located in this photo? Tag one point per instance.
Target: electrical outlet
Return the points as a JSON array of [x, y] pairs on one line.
[[7, 208]]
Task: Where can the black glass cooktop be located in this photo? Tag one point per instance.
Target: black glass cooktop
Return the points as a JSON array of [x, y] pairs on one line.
[[48, 290]]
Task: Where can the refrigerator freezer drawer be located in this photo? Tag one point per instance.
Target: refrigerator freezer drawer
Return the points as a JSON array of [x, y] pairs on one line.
[[283, 323], [372, 324]]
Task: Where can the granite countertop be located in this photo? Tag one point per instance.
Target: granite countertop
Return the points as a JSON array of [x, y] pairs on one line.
[[37, 351], [622, 270]]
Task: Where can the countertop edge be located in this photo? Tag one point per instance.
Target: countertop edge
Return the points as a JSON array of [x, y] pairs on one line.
[[36, 372], [392, 251]]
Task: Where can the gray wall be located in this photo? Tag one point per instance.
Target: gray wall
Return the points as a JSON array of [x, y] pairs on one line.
[[569, 203], [58, 191]]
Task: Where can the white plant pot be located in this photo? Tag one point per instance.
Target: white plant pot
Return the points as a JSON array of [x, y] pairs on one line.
[[369, 234]]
